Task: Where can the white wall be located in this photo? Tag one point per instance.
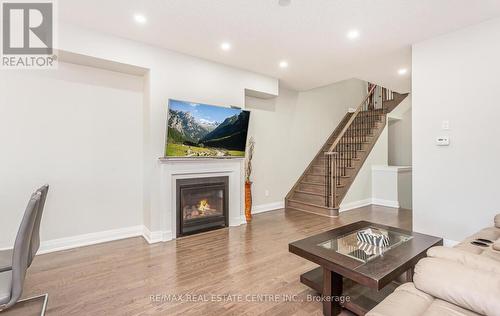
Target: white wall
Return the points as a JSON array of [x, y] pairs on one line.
[[400, 134], [171, 75], [290, 129], [270, 126], [168, 75], [80, 130], [319, 112], [360, 192], [456, 78], [391, 186]]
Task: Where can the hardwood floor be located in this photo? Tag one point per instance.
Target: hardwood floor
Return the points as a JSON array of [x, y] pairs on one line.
[[119, 278]]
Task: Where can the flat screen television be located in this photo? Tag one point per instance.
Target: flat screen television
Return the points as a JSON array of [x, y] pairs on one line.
[[202, 130]]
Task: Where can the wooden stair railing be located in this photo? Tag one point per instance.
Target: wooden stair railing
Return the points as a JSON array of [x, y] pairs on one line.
[[325, 182], [339, 155], [317, 157]]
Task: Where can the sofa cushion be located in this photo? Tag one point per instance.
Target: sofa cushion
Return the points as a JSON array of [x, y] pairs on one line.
[[408, 301], [397, 303], [472, 289], [492, 253], [440, 308], [464, 257], [496, 245]]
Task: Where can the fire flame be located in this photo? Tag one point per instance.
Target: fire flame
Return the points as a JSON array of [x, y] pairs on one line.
[[204, 206]]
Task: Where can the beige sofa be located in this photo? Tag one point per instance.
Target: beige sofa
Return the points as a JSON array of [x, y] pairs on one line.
[[463, 280]]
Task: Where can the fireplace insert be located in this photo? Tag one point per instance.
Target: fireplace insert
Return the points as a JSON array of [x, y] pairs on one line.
[[202, 204]]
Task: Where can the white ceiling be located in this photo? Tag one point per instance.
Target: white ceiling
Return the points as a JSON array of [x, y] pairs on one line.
[[309, 34]]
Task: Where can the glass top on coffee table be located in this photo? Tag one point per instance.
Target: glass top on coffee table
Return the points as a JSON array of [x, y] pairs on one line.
[[349, 245]]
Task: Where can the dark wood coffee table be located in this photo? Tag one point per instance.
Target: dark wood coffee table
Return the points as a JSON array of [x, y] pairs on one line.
[[349, 269]]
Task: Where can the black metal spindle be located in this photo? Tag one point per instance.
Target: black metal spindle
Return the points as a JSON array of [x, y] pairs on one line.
[[349, 147]]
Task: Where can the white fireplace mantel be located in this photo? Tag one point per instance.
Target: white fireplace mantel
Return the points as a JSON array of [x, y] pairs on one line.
[[182, 168]]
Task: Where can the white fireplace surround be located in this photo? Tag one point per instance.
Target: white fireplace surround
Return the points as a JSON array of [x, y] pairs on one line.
[[185, 168]]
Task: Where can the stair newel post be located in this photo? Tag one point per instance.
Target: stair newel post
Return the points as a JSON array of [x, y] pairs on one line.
[[328, 181], [331, 179], [335, 179]]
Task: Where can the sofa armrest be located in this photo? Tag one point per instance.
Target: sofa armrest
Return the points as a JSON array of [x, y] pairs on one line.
[[473, 289], [466, 258]]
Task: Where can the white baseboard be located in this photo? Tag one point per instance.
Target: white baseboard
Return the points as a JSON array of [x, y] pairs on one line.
[[243, 219], [104, 236], [352, 205], [256, 209], [237, 221], [89, 239], [156, 236], [387, 203]]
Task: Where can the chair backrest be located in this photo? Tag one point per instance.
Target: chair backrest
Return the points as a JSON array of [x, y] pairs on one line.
[[35, 238], [22, 248]]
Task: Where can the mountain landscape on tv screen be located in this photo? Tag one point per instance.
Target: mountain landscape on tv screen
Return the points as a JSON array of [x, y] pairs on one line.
[[198, 130]]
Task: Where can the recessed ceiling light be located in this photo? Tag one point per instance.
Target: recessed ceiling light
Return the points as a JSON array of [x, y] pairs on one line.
[[283, 64], [284, 3], [140, 19], [225, 46], [402, 71], [353, 34]]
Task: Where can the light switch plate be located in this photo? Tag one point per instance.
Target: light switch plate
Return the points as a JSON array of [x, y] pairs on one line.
[[445, 125]]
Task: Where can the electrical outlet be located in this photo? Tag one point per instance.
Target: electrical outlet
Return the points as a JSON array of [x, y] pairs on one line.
[[443, 141], [266, 193]]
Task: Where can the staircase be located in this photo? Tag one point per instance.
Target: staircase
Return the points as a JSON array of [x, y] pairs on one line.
[[325, 182]]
